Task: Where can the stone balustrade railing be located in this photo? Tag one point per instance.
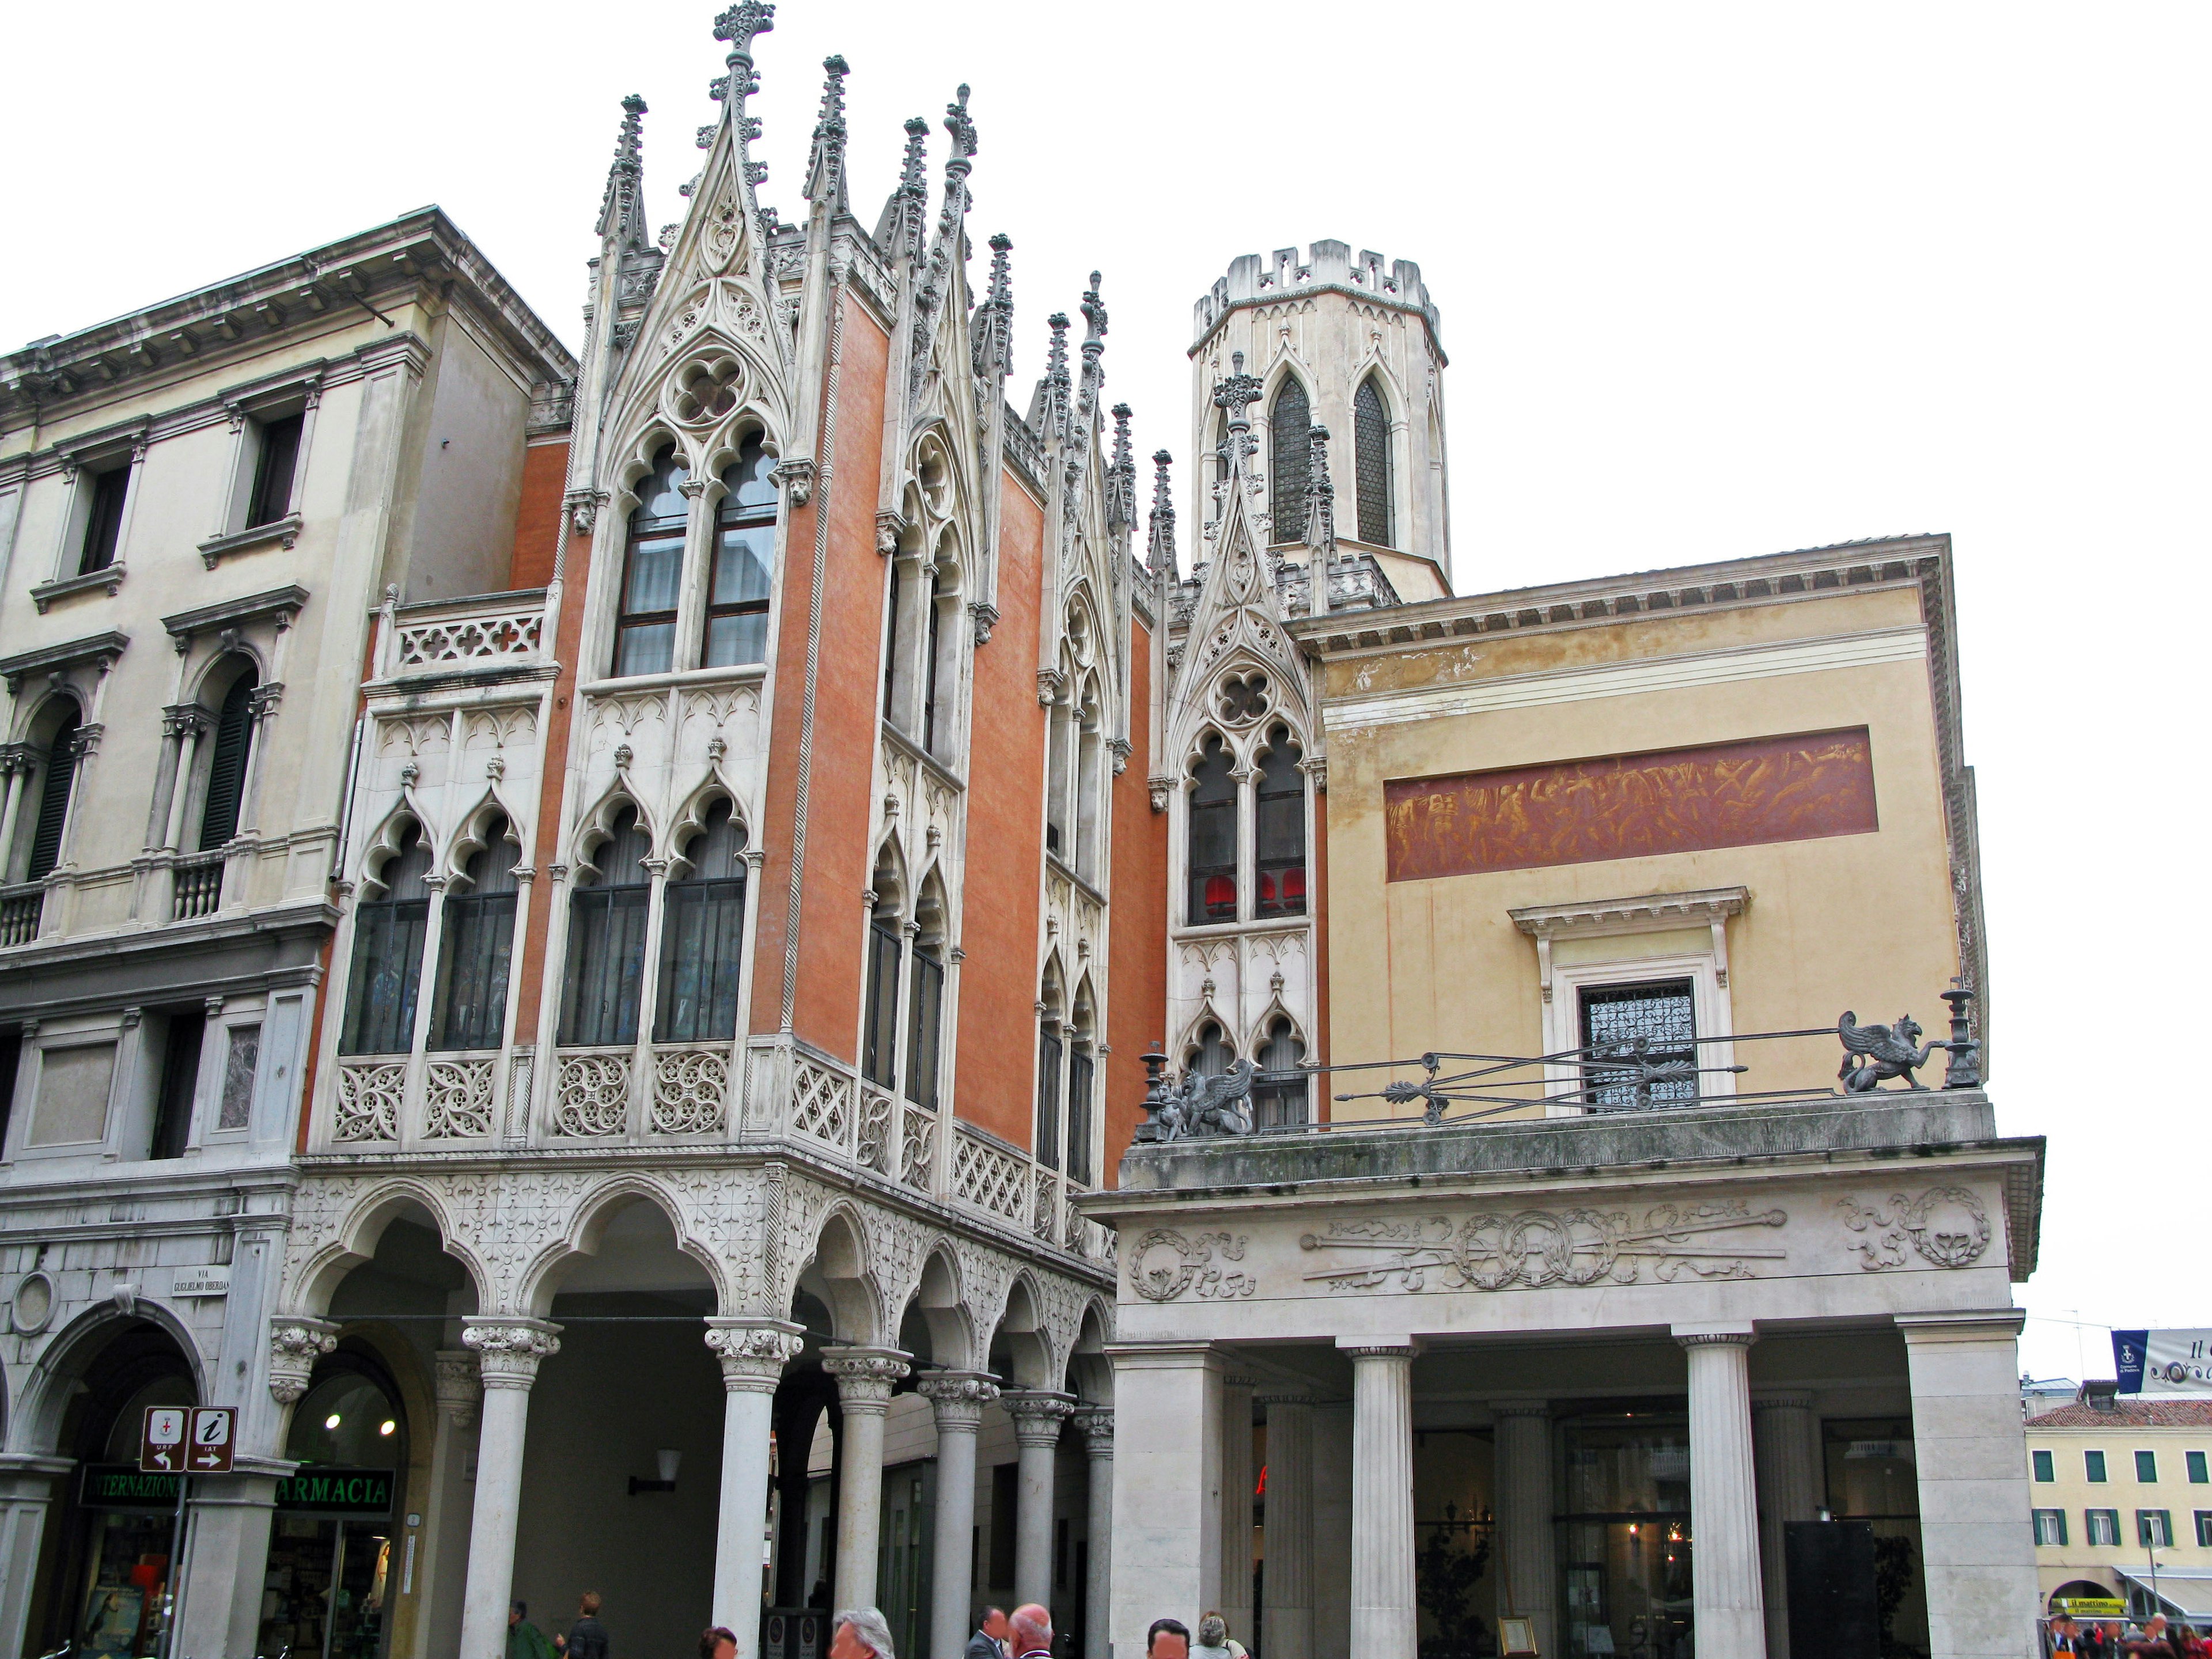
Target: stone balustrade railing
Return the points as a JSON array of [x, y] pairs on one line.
[[489, 630]]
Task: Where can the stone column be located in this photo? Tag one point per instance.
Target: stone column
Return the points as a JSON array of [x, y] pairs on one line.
[[1724, 1571], [225, 1556], [1238, 1480], [1786, 1460], [753, 1352], [1290, 1524], [508, 1352], [1977, 1549], [1521, 1460], [1097, 1423], [958, 1399], [441, 1575], [1332, 1522], [1167, 1481], [1382, 1608], [27, 1483], [865, 1379], [1037, 1417]]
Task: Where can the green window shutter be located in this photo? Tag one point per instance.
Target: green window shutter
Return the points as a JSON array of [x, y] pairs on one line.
[[234, 733], [53, 801]]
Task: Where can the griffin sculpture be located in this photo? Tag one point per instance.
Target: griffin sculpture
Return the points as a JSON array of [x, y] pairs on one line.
[[1874, 1054], [1209, 1105]]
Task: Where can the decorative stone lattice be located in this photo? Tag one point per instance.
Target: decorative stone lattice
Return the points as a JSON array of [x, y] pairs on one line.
[[876, 1113], [369, 1101], [457, 1099], [469, 639], [821, 1104], [1044, 1212], [688, 1092], [990, 1179], [592, 1095], [918, 1149]]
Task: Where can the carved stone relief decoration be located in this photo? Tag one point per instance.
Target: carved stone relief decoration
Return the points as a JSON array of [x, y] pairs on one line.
[[1947, 1225], [1531, 1248], [899, 1245], [617, 718], [1163, 1264], [495, 727], [425, 734]]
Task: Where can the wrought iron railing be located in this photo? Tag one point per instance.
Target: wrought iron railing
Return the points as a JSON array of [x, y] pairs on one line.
[[1636, 1075]]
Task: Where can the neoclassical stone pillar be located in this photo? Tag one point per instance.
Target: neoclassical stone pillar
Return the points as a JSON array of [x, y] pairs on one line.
[[1167, 1481], [1724, 1565], [1522, 1461], [230, 1521], [1238, 1480], [440, 1574], [753, 1352], [509, 1352], [1976, 1541], [1097, 1424], [1289, 1514], [957, 1398], [27, 1485], [1383, 1616], [1786, 1460], [1038, 1416], [865, 1379]]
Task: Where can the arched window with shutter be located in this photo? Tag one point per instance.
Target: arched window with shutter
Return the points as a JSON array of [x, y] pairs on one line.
[[1211, 1055], [1279, 834], [703, 934], [1213, 838], [1279, 1091], [476, 945], [54, 798], [1290, 459], [1370, 431], [387, 950], [227, 757], [606, 939], [745, 552], [653, 570]]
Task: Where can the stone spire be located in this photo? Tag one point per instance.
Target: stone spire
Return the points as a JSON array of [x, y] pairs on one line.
[[1047, 413], [1234, 396], [825, 163], [908, 214], [1320, 501], [738, 26], [1122, 476], [1094, 345], [949, 244], [1160, 553], [621, 209], [991, 336]]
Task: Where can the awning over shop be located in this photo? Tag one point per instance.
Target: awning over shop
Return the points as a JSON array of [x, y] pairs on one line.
[[2181, 1594]]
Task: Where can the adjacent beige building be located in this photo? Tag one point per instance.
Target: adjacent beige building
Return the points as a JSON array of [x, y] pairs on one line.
[[2121, 1493]]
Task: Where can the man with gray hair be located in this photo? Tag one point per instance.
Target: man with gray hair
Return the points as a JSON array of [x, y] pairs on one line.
[[1032, 1628], [861, 1631]]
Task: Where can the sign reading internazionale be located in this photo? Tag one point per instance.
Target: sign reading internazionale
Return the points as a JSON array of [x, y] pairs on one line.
[[323, 1492]]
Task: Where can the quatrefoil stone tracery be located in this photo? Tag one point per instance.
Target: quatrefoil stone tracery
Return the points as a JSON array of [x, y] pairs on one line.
[[707, 392], [1244, 698]]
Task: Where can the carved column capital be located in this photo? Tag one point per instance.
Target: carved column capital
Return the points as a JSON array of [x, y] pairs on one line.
[[509, 1350], [753, 1351], [297, 1341], [1729, 1336], [865, 1377], [458, 1388], [1096, 1424], [1039, 1415], [958, 1397]]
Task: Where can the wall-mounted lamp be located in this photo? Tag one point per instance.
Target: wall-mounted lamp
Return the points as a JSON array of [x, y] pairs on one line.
[[667, 1461]]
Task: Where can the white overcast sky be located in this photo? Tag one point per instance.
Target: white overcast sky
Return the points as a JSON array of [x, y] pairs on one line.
[[1717, 280]]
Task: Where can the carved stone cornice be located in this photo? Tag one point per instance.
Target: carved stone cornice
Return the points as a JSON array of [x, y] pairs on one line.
[[865, 1377], [277, 604], [958, 1397], [509, 1350], [295, 1343], [458, 1389], [179, 718], [1039, 1415], [754, 1352], [100, 650], [109, 577]]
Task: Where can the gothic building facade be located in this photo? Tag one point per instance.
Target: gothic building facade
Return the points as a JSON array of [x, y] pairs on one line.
[[634, 1073]]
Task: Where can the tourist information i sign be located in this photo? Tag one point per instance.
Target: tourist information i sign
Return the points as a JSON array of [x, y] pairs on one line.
[[161, 1443], [214, 1430]]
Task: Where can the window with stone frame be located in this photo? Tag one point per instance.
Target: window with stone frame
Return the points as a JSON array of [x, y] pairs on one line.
[[1281, 1096], [606, 967], [1290, 458], [653, 570], [1051, 1051], [1210, 1053], [108, 489], [1210, 841], [275, 462], [879, 1044], [703, 933], [1280, 831], [1648, 1024], [745, 554], [476, 945], [228, 754], [389, 922], [57, 781], [926, 1001], [1372, 471]]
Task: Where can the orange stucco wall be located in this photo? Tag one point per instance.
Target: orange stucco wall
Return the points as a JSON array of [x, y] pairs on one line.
[[537, 515], [1137, 933], [1005, 842]]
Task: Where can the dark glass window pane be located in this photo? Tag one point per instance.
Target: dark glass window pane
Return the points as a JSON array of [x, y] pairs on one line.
[[745, 548], [882, 1047], [226, 789], [930, 649], [656, 572], [387, 954], [741, 557], [1212, 849], [653, 571], [273, 470], [1278, 1093], [1047, 1112], [732, 640], [476, 948], [645, 648], [1292, 443], [925, 998], [1079, 1116], [1279, 834], [1372, 458], [53, 799], [103, 524], [606, 960], [1656, 1025], [180, 1076], [702, 935]]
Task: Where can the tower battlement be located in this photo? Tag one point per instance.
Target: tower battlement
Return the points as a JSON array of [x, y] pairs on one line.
[[1327, 266]]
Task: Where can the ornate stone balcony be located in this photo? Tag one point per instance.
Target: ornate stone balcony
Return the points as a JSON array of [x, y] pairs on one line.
[[479, 634]]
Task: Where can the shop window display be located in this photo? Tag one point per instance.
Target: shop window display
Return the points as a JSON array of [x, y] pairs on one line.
[[1624, 1537], [331, 1574]]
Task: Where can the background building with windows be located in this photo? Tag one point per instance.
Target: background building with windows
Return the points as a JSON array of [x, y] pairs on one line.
[[2121, 1493]]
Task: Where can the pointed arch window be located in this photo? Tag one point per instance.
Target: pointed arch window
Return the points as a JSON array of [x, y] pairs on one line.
[[653, 570], [606, 939], [931, 646], [1290, 458], [388, 951], [1081, 1087], [476, 945], [1211, 1055], [1280, 838], [1213, 838], [745, 552], [1051, 1055], [880, 1042], [226, 759], [925, 1005], [703, 934], [1371, 450], [1280, 1092], [54, 797]]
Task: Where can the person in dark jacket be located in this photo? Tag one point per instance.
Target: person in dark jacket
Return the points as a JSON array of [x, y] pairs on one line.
[[587, 1636], [989, 1640]]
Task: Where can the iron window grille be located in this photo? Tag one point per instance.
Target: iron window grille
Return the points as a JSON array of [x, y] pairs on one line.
[[1289, 459], [1371, 450], [1655, 1023]]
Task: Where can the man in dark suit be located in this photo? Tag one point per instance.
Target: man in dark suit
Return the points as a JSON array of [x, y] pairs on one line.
[[989, 1640]]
